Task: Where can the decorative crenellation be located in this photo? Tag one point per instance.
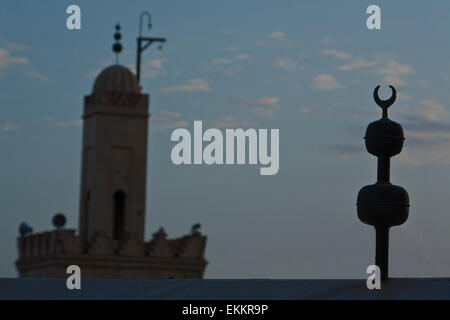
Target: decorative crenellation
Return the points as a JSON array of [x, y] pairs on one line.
[[48, 243], [64, 241], [190, 246]]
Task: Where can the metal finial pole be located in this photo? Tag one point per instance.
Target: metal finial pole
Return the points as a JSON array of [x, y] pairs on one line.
[[117, 46], [383, 204], [144, 42]]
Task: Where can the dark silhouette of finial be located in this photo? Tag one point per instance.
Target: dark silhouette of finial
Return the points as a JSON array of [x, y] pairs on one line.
[[385, 104], [59, 220], [383, 204], [117, 46], [25, 229], [195, 229]]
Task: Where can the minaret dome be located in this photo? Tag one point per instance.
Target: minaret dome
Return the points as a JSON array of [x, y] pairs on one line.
[[116, 78]]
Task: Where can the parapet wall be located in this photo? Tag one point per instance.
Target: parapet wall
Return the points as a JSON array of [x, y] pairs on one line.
[[48, 243], [48, 254]]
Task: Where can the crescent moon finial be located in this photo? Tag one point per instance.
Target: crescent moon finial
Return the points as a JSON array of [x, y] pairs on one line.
[[384, 104]]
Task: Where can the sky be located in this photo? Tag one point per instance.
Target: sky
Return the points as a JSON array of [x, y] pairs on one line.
[[307, 68]]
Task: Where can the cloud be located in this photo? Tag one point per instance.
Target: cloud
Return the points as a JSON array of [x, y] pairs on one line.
[[221, 61], [304, 110], [327, 40], [70, 123], [14, 46], [277, 38], [243, 56], [392, 71], [6, 60], [191, 85], [232, 48], [10, 126], [325, 82], [37, 75], [232, 70], [230, 65], [336, 54], [277, 35], [288, 64], [153, 68], [266, 106], [9, 61], [403, 97], [164, 119], [431, 111], [56, 123], [229, 122], [348, 150], [357, 64]]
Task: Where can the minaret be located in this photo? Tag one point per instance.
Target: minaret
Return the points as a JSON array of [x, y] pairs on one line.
[[383, 204], [110, 241], [114, 158]]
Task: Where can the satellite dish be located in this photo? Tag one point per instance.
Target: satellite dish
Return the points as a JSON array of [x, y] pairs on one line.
[[25, 229], [59, 220]]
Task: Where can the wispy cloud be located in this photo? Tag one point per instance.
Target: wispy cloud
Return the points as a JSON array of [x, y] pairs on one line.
[[154, 68], [327, 41], [69, 123], [191, 85], [325, 82], [229, 122], [304, 110], [221, 60], [277, 35], [266, 106], [335, 53], [57, 123], [230, 65], [37, 75], [288, 64], [232, 48], [277, 38], [164, 119], [10, 126], [7, 61], [15, 46], [392, 72], [233, 70], [356, 64], [243, 56]]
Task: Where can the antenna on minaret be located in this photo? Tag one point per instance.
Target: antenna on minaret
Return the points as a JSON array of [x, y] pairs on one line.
[[117, 46], [144, 42]]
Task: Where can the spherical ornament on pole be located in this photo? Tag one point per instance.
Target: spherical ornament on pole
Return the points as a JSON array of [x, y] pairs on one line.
[[383, 205], [59, 220]]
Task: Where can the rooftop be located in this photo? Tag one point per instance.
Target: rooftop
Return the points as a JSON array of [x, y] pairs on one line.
[[398, 288]]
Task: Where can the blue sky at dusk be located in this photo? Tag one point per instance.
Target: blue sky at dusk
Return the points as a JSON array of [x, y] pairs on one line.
[[306, 67]]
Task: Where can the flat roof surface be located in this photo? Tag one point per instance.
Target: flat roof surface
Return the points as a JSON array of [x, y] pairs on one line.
[[258, 289]]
